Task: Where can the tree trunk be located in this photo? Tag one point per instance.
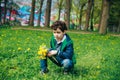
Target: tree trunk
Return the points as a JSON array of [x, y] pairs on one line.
[[118, 29], [92, 13], [47, 13], [0, 13], [60, 8], [5, 11], [32, 13], [88, 14], [68, 9], [80, 19], [40, 11], [100, 17], [105, 15]]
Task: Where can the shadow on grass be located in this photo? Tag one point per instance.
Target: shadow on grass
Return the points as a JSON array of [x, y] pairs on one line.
[[79, 71]]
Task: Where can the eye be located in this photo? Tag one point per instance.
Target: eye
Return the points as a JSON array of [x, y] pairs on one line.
[[58, 32], [54, 32]]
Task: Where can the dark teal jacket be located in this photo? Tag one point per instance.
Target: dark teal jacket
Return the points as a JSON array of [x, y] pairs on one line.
[[66, 50]]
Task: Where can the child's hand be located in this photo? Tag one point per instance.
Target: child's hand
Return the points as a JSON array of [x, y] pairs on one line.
[[52, 52]]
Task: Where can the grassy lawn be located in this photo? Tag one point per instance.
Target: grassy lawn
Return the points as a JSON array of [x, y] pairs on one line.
[[98, 57]]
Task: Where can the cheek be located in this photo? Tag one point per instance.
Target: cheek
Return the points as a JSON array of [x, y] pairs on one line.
[[59, 35], [54, 34]]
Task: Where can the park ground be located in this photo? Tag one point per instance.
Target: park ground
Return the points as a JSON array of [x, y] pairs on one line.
[[97, 55]]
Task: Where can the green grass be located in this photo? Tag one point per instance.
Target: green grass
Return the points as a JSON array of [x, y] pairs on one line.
[[98, 57]]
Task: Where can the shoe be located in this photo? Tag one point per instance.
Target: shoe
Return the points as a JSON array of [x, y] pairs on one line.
[[65, 72], [44, 71]]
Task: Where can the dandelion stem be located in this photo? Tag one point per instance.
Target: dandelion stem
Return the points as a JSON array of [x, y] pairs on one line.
[[54, 59]]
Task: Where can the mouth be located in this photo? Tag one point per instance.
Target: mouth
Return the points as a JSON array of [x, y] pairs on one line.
[[56, 37]]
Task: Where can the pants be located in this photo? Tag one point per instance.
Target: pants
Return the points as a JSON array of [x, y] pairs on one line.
[[67, 64]]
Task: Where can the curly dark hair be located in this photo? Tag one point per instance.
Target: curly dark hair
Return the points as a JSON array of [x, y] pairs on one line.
[[59, 24]]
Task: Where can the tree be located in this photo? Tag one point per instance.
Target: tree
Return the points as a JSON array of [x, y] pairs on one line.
[[105, 15], [81, 14], [40, 11], [118, 29], [68, 9], [60, 8], [114, 16], [88, 12], [47, 13], [91, 16], [78, 10], [32, 13], [11, 5], [100, 16], [0, 13], [5, 11]]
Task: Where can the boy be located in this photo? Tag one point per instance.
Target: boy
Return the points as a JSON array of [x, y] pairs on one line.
[[61, 51]]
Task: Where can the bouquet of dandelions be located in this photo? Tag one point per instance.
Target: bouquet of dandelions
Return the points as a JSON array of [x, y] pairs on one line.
[[42, 51]]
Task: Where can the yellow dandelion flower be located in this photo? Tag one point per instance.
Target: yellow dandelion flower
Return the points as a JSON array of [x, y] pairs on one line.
[[19, 48], [28, 49], [42, 51], [98, 67]]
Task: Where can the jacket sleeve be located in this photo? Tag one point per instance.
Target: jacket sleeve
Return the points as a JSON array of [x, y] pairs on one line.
[[51, 48], [67, 53]]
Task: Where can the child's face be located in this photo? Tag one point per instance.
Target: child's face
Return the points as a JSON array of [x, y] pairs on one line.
[[58, 34]]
